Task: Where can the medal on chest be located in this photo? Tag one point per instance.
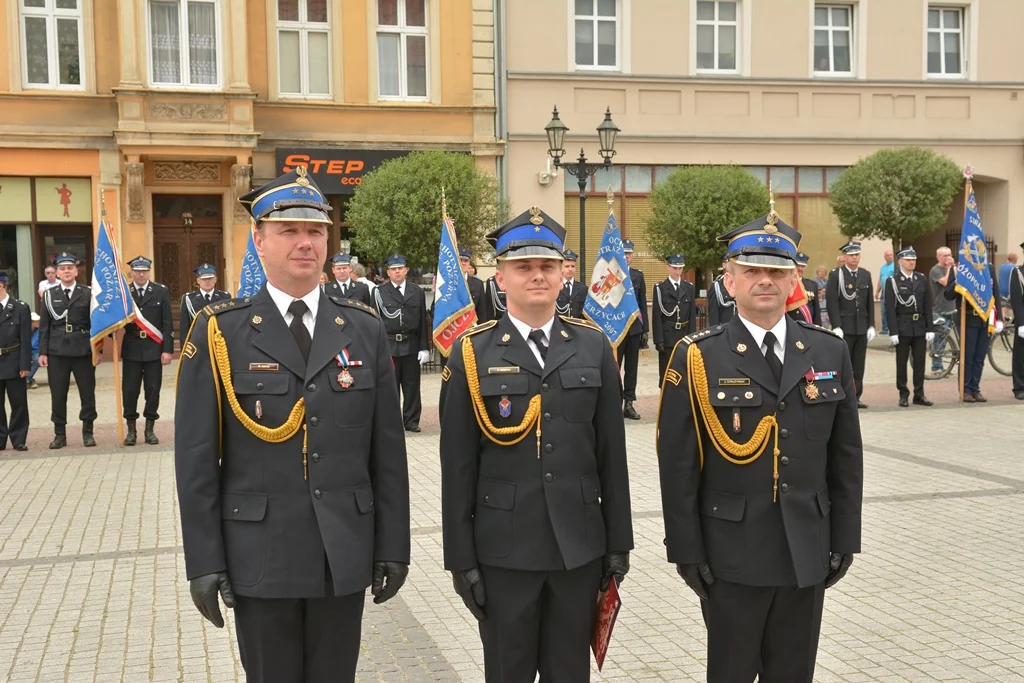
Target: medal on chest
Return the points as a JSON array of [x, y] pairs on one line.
[[345, 378]]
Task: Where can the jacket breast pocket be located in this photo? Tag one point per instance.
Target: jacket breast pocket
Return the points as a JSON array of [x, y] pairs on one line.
[[242, 515], [269, 388], [356, 408], [821, 402], [496, 388], [718, 505], [493, 527], [580, 386]]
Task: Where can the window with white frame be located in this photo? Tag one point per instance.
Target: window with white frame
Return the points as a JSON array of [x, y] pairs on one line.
[[184, 42], [833, 40], [945, 41], [51, 44], [402, 64], [303, 47], [597, 34], [718, 28]]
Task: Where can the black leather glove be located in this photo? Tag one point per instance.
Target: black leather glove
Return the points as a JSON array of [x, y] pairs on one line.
[[204, 590], [395, 573], [469, 584], [659, 347], [698, 577], [643, 340], [614, 564], [838, 565]]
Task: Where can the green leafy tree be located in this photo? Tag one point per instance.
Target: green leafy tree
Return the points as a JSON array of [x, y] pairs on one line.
[[696, 204], [398, 206], [896, 194]]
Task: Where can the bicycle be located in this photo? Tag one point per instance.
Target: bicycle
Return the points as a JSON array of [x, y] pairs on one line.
[[944, 350]]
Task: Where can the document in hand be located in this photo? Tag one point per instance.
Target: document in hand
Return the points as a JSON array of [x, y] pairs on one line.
[[608, 606]]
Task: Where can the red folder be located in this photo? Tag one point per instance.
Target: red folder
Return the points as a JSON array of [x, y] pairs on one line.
[[608, 606]]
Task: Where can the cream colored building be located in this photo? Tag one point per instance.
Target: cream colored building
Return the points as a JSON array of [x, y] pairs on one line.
[[795, 90]]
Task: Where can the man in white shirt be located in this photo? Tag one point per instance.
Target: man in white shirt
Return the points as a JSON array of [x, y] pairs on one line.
[[50, 280]]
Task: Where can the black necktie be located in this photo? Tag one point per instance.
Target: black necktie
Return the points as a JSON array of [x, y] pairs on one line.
[[207, 297], [298, 308], [344, 289], [67, 293], [773, 360], [537, 337]]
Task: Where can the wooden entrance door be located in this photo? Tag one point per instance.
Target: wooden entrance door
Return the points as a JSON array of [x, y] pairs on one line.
[[187, 231]]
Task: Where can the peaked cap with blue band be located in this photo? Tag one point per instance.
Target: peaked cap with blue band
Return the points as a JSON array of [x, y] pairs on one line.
[[64, 257], [676, 260], [627, 247], [341, 260], [205, 270], [802, 259], [531, 234], [140, 263], [293, 196], [395, 261], [763, 243], [907, 252], [465, 253], [850, 248]]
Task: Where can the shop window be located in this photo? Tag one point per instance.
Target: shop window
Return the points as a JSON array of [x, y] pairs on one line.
[[303, 48], [184, 42], [51, 44], [662, 172], [759, 172], [830, 176], [783, 179], [812, 180], [718, 28], [638, 179], [402, 54], [596, 26], [608, 176]]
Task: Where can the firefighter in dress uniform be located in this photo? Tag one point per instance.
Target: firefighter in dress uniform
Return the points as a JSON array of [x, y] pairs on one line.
[[721, 305], [196, 300], [908, 306], [535, 490], [289, 455], [148, 345], [674, 312], [636, 338], [494, 305], [761, 467], [811, 288], [851, 309], [15, 364], [343, 284], [65, 347], [574, 294], [1017, 305]]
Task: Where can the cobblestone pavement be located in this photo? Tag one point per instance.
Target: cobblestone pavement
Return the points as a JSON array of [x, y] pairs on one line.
[[92, 584]]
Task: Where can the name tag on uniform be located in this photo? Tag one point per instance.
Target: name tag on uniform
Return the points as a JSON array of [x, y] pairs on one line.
[[504, 370], [270, 367], [734, 382]]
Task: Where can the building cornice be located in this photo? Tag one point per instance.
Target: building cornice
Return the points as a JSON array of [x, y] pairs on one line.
[[376, 107], [46, 140], [787, 140], [191, 94], [166, 138]]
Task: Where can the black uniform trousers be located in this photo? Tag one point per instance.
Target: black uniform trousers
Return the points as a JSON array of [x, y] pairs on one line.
[[1018, 363], [142, 374], [407, 373], [16, 390], [914, 347], [765, 631], [539, 621], [301, 640], [630, 351], [58, 374], [858, 345]]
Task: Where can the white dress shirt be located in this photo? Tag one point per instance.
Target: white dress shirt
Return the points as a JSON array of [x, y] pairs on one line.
[[401, 288], [525, 330], [283, 301], [3, 302], [758, 334]]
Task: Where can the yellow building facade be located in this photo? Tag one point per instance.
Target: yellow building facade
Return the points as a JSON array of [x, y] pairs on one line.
[[163, 112], [793, 90]]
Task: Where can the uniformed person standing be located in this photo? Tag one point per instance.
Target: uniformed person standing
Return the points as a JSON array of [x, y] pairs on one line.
[[535, 490], [475, 284], [403, 308], [721, 305], [636, 338], [195, 301], [574, 294], [811, 288], [15, 364], [144, 352], [289, 456], [1017, 304], [494, 301], [908, 304], [65, 347], [851, 309], [343, 284], [762, 479], [674, 312]]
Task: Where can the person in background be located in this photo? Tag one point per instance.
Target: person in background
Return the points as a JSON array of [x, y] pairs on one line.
[[50, 280], [852, 310], [976, 338], [721, 304], [811, 287], [196, 300], [822, 279], [942, 307], [636, 337], [323, 280], [1016, 296], [359, 272], [343, 285], [1005, 271], [15, 362], [884, 273], [674, 313], [574, 294], [909, 301], [32, 384]]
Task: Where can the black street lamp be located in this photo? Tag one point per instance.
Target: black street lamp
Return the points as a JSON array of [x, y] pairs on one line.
[[583, 171]]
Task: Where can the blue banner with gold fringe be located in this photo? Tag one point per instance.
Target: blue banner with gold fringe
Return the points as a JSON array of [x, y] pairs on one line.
[[611, 302]]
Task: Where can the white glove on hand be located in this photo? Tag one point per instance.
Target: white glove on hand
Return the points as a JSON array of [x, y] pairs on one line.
[[894, 339], [838, 331], [999, 327], [1020, 331], [871, 333], [929, 336], [423, 356]]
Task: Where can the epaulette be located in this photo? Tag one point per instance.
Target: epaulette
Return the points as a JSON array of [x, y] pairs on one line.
[[478, 328], [582, 322], [352, 303], [230, 304], [812, 326], [703, 334]]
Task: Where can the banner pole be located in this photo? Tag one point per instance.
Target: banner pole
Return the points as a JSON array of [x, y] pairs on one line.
[[117, 390], [963, 345]]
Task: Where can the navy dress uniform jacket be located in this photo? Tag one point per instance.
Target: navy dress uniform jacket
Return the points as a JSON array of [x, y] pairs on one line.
[[72, 334], [193, 302], [357, 291], [245, 506], [682, 307], [549, 503], [15, 339], [723, 513], [411, 324], [494, 306], [721, 304], [909, 321], [571, 304], [155, 305], [854, 315]]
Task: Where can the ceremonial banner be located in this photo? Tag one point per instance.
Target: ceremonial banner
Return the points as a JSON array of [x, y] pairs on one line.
[[973, 279], [454, 312], [251, 273], [112, 307], [798, 301], [611, 302]]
